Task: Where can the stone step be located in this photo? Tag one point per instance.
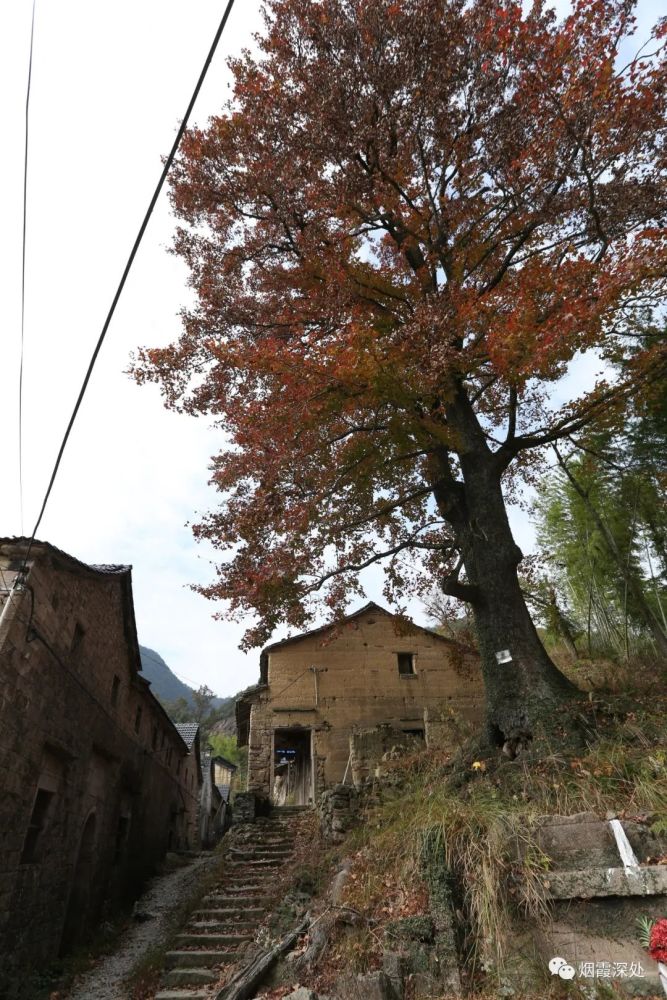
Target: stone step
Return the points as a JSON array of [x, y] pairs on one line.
[[241, 893], [255, 846], [265, 855], [190, 977], [225, 902], [252, 866], [278, 812], [220, 926], [230, 913], [182, 995], [237, 870], [207, 959], [212, 940]]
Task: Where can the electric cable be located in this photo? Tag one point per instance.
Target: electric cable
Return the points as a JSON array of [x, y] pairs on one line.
[[25, 217], [142, 229]]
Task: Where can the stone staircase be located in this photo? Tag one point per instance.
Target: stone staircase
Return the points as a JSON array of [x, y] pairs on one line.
[[225, 924]]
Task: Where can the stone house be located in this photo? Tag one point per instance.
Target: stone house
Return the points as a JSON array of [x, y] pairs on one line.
[[318, 689], [189, 733], [224, 774], [96, 783], [213, 810]]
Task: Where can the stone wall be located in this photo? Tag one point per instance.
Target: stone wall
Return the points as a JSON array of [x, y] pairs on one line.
[[445, 728], [338, 809], [95, 782], [594, 904], [368, 747]]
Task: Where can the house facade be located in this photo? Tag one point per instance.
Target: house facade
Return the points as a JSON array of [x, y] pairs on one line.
[[96, 783], [317, 689]]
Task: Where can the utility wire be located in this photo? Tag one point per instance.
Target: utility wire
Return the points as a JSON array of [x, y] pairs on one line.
[[128, 265], [25, 216]]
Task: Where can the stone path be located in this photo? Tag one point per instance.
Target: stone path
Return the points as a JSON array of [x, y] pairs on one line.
[[164, 894], [225, 924]]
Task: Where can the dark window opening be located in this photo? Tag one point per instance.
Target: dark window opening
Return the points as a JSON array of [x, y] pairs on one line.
[[38, 820], [154, 739], [417, 733], [406, 664], [137, 721], [115, 688]]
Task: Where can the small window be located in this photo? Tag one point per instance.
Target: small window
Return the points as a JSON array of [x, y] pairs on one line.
[[115, 688], [406, 664], [137, 721], [38, 820]]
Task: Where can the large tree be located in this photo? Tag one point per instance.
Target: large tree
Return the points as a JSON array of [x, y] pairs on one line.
[[407, 221]]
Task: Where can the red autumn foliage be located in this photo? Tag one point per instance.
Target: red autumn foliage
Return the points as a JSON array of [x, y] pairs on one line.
[[409, 219], [657, 948]]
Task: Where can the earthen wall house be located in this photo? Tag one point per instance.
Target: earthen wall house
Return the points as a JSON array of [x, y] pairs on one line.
[[316, 689], [96, 784]]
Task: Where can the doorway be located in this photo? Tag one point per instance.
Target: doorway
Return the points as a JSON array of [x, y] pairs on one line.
[[78, 918], [292, 767]]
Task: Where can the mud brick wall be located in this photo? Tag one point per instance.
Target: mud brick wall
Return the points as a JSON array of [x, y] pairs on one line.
[[337, 683], [95, 783]]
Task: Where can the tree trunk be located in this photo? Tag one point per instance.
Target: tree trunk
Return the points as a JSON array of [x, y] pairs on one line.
[[560, 625], [525, 693]]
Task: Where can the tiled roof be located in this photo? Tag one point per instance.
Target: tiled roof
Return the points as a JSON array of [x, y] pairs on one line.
[[226, 763], [188, 732]]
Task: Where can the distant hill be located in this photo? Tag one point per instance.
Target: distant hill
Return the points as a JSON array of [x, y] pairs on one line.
[[164, 682]]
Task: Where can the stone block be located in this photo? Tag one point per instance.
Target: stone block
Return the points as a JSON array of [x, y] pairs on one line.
[[424, 986], [376, 986], [649, 880], [579, 841], [419, 928], [393, 966]]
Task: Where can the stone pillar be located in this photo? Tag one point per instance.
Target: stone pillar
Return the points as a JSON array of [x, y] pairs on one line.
[[244, 808], [259, 751]]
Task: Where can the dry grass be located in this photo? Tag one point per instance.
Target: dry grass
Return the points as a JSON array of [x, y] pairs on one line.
[[486, 825]]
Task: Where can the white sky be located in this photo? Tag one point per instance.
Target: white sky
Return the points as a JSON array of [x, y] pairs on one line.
[[110, 83]]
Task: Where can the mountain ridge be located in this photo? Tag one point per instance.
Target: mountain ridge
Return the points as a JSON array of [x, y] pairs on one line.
[[165, 685]]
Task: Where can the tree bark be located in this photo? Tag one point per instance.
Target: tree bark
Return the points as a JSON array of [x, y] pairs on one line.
[[524, 694]]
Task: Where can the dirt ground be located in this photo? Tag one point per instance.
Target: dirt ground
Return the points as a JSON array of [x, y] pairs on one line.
[[163, 895]]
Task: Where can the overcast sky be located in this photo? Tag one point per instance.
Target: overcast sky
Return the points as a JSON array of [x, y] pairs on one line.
[[110, 83]]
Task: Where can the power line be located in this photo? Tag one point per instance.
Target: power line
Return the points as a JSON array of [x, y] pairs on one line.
[[25, 216], [126, 271]]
